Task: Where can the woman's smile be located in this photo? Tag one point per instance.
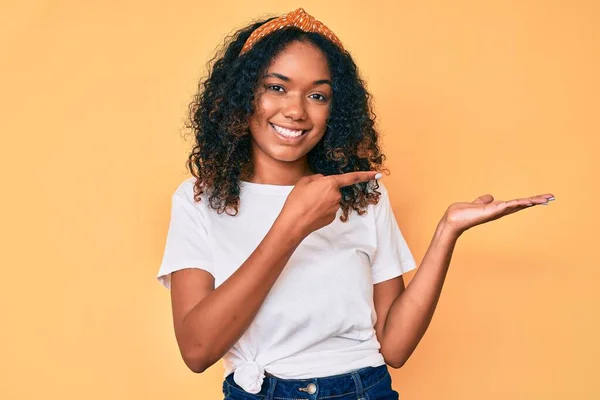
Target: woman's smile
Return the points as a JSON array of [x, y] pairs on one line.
[[288, 135]]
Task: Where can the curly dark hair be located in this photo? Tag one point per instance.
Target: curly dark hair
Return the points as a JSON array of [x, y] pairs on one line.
[[218, 117]]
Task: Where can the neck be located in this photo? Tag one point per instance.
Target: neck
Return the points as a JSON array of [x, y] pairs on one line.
[[274, 172]]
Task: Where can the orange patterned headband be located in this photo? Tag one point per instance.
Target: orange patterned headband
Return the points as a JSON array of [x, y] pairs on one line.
[[299, 19]]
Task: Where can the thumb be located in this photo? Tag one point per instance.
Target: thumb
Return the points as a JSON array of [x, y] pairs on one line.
[[312, 177], [485, 199]]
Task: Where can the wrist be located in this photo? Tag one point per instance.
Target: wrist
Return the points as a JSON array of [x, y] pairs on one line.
[[289, 228], [445, 230]]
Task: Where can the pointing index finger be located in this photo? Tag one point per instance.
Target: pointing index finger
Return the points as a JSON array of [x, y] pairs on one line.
[[352, 178]]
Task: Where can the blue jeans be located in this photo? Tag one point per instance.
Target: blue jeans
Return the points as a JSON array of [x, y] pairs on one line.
[[370, 383]]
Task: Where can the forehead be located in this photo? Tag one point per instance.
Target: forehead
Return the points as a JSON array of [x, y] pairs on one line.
[[301, 60]]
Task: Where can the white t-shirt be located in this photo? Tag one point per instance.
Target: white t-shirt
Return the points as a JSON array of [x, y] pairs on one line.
[[318, 319]]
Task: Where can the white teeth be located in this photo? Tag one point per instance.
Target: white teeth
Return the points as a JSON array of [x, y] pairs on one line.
[[287, 132]]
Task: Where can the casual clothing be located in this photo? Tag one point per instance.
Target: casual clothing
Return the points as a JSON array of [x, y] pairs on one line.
[[318, 319], [373, 383]]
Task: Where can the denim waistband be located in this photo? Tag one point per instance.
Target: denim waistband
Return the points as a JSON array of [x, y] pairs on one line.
[[329, 387]]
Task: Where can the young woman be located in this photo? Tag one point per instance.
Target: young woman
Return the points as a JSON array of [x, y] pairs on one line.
[[283, 255]]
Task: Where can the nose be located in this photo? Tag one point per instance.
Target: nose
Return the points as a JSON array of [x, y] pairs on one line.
[[294, 108]]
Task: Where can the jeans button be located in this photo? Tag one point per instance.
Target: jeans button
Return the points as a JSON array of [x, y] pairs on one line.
[[310, 389]]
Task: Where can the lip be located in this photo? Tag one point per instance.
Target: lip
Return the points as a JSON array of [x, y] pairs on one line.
[[288, 139], [292, 128]]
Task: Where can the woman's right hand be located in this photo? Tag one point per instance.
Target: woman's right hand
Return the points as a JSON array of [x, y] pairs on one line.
[[315, 199]]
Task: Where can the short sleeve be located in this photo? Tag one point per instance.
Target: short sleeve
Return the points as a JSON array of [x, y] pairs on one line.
[[392, 256], [187, 243]]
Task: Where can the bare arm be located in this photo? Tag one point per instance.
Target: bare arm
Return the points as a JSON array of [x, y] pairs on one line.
[[209, 321], [412, 310]]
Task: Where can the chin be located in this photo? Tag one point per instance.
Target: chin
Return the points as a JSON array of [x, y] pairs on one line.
[[286, 154], [286, 157]]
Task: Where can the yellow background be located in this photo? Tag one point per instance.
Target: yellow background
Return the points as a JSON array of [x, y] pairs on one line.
[[472, 98]]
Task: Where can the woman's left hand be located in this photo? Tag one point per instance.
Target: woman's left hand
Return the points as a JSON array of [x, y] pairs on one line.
[[462, 216]]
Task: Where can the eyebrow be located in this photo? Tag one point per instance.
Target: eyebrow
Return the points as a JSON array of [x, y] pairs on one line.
[[287, 79]]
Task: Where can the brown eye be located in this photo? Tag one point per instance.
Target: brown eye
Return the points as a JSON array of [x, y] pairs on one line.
[[319, 97], [275, 88]]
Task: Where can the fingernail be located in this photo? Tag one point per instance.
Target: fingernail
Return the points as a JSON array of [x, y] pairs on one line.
[[550, 198], [378, 176]]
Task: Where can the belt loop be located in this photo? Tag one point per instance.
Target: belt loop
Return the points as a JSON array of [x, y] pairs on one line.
[[360, 394], [271, 391]]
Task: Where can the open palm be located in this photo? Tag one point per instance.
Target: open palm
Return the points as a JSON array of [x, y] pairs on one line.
[[463, 216]]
